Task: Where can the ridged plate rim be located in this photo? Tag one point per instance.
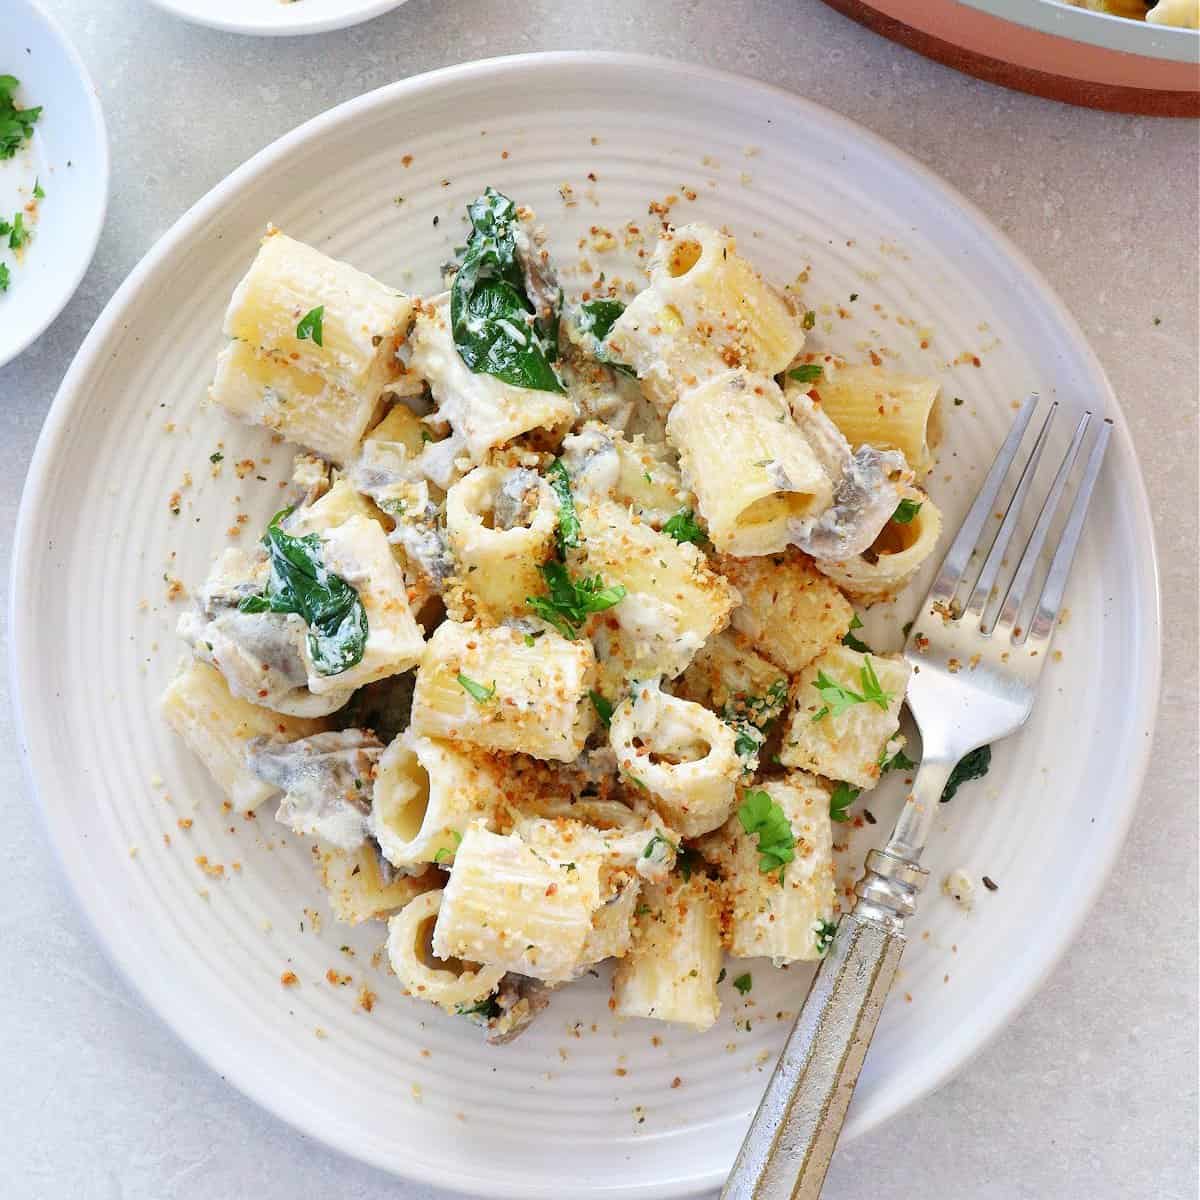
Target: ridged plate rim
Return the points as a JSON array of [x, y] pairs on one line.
[[72, 395]]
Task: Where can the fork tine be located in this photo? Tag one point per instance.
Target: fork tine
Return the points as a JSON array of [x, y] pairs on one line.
[[991, 568], [1015, 596], [955, 563], [1042, 625]]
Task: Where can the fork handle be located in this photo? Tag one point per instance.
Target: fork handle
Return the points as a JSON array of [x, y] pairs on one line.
[[792, 1138]]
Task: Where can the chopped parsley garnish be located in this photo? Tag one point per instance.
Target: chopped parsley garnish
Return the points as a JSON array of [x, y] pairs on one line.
[[898, 762], [496, 327], [300, 583], [16, 124], [443, 854], [38, 193], [686, 861], [4, 277], [806, 373], [652, 852], [809, 319], [683, 527], [748, 741], [743, 983], [486, 1008], [604, 708], [312, 325], [721, 976], [850, 641], [641, 910], [905, 511], [824, 931], [839, 803], [571, 601], [974, 766], [838, 698], [751, 718], [216, 457], [476, 691], [568, 522], [18, 234], [759, 814]]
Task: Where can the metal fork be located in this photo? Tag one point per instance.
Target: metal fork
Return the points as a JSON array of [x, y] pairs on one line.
[[974, 681]]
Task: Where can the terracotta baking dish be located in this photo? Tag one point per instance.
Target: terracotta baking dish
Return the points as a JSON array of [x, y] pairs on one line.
[[1049, 49]]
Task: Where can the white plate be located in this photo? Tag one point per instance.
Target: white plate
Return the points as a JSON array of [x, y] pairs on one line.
[[278, 18], [68, 154], [587, 1109]]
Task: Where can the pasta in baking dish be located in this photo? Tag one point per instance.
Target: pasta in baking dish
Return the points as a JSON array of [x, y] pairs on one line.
[[551, 653]]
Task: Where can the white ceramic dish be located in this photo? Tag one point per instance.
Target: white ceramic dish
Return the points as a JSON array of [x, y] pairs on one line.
[[68, 154], [278, 18], [579, 1105]]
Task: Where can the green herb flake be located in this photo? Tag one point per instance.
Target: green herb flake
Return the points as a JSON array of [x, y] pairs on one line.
[[18, 234], [216, 457], [299, 582], [850, 641], [807, 373], [905, 511], [568, 521], [686, 862], [443, 854], [571, 601], [839, 802], [809, 320], [641, 910], [824, 931], [312, 326], [872, 691], [5, 278], [838, 698], [656, 839], [16, 124], [974, 766], [476, 691], [604, 708], [898, 762], [743, 983], [759, 815], [486, 1008], [38, 193], [683, 527], [496, 328], [721, 976]]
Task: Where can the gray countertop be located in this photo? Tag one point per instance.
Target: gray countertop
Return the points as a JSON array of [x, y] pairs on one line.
[[1091, 1092]]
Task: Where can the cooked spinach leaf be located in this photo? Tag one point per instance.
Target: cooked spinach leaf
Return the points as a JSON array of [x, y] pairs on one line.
[[974, 766], [301, 583], [494, 323]]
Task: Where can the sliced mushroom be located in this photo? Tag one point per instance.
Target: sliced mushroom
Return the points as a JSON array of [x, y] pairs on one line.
[[326, 782], [868, 484]]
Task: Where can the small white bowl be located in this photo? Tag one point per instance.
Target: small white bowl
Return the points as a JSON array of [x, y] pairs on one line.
[[68, 155], [277, 18]]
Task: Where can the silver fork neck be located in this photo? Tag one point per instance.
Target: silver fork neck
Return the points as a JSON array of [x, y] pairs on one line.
[[913, 826]]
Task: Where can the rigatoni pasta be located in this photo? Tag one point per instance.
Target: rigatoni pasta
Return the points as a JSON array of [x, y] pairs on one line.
[[313, 347], [504, 690], [548, 649], [670, 972], [877, 407], [754, 474], [706, 310]]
